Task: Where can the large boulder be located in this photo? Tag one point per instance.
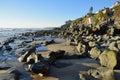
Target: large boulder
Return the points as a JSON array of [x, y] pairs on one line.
[[110, 59], [94, 53]]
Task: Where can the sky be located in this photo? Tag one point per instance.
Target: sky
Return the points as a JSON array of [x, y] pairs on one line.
[[45, 13]]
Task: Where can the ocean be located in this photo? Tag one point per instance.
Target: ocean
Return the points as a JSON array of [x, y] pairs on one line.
[[18, 44], [6, 33]]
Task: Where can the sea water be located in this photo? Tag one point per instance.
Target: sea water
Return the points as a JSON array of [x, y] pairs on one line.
[[6, 33]]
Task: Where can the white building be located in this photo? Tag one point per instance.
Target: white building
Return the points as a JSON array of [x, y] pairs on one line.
[[90, 20]]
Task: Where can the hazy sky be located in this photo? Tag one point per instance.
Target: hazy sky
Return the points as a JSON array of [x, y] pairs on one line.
[[45, 13]]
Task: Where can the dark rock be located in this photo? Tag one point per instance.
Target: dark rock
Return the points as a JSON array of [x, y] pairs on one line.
[[11, 39], [5, 42], [40, 67], [56, 55], [8, 48], [49, 42]]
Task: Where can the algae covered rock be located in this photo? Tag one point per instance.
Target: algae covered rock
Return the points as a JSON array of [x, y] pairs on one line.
[[110, 59]]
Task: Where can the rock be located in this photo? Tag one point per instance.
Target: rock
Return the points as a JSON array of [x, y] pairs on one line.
[[28, 41], [8, 41], [49, 42], [113, 46], [92, 44], [102, 73], [111, 31], [110, 59], [56, 55], [81, 48], [82, 77], [24, 57], [5, 42], [32, 58], [40, 67], [94, 53], [95, 73], [106, 36], [11, 39], [99, 39], [8, 48]]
